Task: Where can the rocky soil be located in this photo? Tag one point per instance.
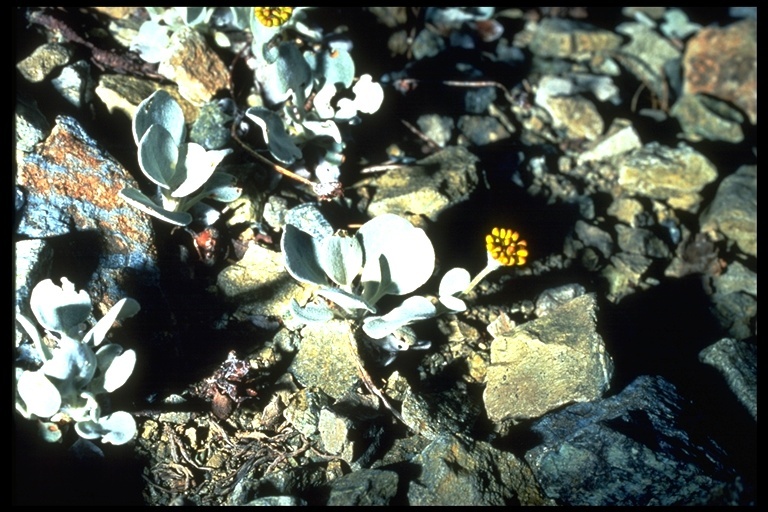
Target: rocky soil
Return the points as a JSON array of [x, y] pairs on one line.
[[618, 366]]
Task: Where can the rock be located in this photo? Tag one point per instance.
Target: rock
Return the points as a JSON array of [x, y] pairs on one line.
[[259, 283], [703, 117], [124, 93], [71, 187], [651, 58], [675, 175], [633, 449], [427, 188], [481, 130], [31, 126], [545, 363], [43, 61], [197, 70], [303, 409], [455, 471], [733, 211], [364, 487], [74, 83], [567, 38], [326, 359], [722, 62], [737, 361], [620, 138], [624, 275], [436, 414], [438, 128], [576, 115]]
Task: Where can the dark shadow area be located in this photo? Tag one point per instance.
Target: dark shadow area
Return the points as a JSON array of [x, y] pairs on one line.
[[661, 332]]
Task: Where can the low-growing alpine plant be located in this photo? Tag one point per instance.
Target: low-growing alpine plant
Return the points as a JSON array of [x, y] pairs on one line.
[[183, 172], [386, 256], [76, 367]]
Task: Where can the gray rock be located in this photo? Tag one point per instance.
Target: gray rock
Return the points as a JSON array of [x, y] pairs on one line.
[[427, 188], [364, 487], [707, 118], [43, 61], [733, 212], [633, 449], [74, 83], [455, 471], [31, 126], [675, 175], [71, 187], [326, 358], [548, 362], [737, 361]]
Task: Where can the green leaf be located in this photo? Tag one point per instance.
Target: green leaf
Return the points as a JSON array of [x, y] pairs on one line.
[[300, 251], [39, 395], [411, 310], [124, 308], [138, 200], [407, 249], [194, 168], [278, 140], [223, 187], [59, 309], [341, 258], [159, 109], [158, 154]]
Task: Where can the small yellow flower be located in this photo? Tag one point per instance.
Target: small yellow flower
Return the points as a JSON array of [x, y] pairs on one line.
[[272, 16], [505, 246]]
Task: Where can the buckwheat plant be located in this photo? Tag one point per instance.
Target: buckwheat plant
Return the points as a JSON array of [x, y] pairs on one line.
[[76, 368], [183, 172], [386, 256]]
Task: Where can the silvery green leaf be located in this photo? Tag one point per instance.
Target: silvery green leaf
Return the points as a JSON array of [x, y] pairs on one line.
[[310, 314], [369, 96], [124, 308], [120, 428], [345, 300], [73, 363], [117, 428], [288, 74], [159, 109], [454, 282], [324, 128], [322, 102], [116, 367], [59, 309], [223, 187], [335, 67], [49, 431], [300, 251], [407, 250], [43, 351], [194, 167], [341, 257], [158, 155], [137, 199], [39, 395], [152, 41], [280, 144], [411, 310]]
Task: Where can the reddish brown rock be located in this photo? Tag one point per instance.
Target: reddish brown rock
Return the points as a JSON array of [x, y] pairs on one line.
[[722, 61]]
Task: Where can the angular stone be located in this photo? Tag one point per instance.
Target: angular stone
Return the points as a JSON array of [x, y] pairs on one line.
[[72, 187], [733, 212], [722, 62], [195, 67], [675, 175], [548, 362]]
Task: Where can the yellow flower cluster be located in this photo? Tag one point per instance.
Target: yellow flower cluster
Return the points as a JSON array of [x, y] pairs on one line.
[[272, 16], [505, 246]]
